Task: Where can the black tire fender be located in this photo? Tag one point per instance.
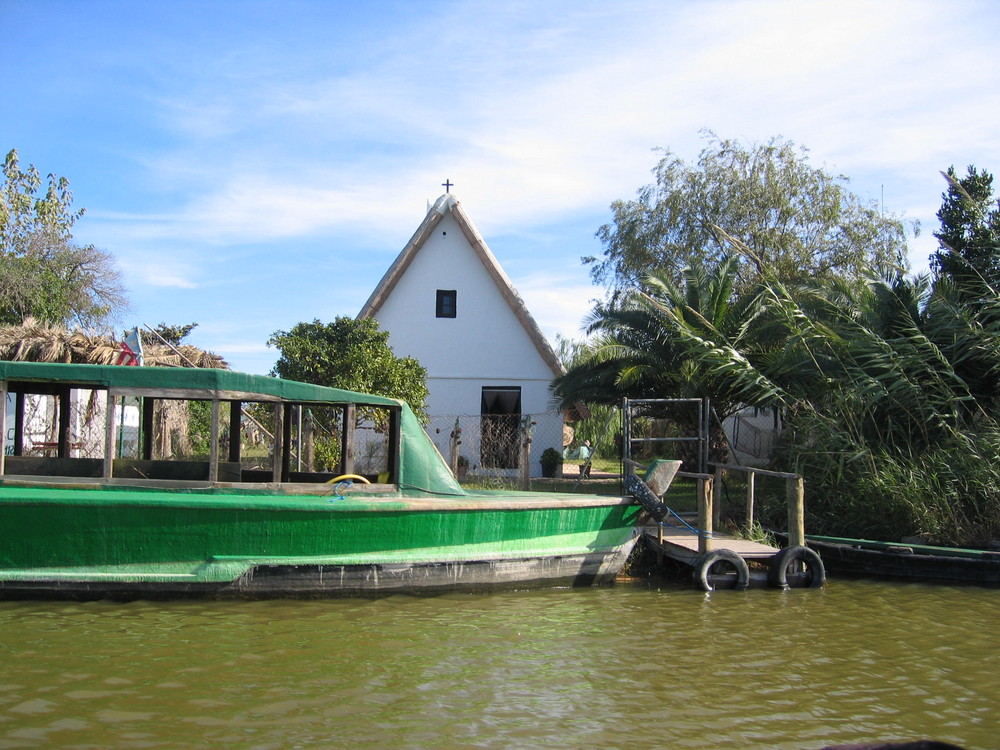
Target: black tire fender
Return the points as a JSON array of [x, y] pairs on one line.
[[777, 572], [703, 567]]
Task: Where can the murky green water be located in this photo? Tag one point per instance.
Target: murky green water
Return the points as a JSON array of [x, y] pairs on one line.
[[606, 668]]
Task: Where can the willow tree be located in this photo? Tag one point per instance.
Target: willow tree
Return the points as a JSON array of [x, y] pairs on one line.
[[798, 220]]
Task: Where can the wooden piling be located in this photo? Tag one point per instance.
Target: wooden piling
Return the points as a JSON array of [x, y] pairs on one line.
[[717, 487], [706, 497], [795, 494], [110, 435]]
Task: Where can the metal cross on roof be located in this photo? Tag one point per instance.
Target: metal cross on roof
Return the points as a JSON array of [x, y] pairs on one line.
[[447, 185]]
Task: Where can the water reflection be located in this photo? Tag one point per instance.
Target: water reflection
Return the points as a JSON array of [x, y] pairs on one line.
[[612, 668]]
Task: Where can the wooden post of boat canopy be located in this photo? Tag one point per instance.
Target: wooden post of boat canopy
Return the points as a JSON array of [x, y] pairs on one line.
[[795, 493], [19, 423], [705, 513], [286, 442], [235, 422], [3, 424], [279, 449], [308, 441], [213, 446], [64, 397], [110, 435], [148, 405], [347, 440], [395, 442]]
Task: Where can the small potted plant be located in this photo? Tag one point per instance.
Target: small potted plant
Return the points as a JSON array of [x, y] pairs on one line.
[[462, 469], [551, 461]]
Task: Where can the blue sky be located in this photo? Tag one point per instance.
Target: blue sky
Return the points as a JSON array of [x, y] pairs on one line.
[[255, 164]]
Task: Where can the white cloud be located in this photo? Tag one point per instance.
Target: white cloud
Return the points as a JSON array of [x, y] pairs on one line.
[[156, 271], [537, 113], [846, 79]]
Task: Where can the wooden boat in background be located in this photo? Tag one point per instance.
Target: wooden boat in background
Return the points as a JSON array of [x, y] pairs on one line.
[[97, 500], [916, 562]]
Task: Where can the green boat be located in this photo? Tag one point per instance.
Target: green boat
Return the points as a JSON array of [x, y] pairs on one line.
[[101, 496]]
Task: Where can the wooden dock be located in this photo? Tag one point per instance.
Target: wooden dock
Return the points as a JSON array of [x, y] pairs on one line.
[[681, 544], [678, 540], [720, 561], [717, 559]]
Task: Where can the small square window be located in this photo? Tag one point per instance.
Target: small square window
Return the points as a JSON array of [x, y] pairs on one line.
[[447, 303]]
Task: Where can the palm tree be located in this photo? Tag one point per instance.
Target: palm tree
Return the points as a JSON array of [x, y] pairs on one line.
[[890, 390], [642, 346], [889, 386]]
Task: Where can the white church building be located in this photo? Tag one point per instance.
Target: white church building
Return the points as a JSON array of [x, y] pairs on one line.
[[447, 302]]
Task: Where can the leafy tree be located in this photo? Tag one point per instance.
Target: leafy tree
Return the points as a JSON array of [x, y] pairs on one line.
[[795, 219], [970, 231], [43, 274], [24, 214], [889, 386], [350, 354]]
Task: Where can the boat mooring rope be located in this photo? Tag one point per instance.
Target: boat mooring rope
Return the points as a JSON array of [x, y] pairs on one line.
[[699, 532]]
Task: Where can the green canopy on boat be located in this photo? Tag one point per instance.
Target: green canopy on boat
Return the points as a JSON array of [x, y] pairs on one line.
[[421, 465], [212, 382]]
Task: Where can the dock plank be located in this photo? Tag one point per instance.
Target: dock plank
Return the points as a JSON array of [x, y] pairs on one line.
[[681, 544]]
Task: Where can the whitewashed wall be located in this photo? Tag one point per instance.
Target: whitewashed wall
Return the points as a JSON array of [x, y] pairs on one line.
[[484, 345]]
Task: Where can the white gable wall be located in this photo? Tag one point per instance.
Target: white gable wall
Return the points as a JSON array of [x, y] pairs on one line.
[[484, 345], [485, 338]]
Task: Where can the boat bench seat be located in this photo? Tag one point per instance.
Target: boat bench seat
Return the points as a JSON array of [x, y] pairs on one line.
[[130, 468], [51, 466]]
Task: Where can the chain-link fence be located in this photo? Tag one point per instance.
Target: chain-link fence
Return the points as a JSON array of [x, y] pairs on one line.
[[85, 422], [511, 450]]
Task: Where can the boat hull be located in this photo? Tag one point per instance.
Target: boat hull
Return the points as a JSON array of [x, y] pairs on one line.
[[140, 543], [860, 558]]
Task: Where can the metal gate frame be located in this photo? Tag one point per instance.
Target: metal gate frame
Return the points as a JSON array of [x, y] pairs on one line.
[[704, 414]]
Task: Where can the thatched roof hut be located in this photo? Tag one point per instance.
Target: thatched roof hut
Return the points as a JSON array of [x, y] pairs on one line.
[[34, 341]]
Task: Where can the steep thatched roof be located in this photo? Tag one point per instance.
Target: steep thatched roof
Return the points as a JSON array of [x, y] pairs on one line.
[[33, 341]]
